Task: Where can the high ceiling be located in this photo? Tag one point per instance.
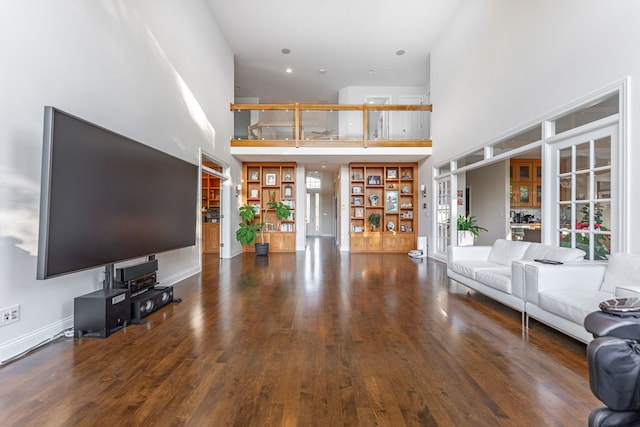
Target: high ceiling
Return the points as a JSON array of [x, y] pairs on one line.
[[332, 44]]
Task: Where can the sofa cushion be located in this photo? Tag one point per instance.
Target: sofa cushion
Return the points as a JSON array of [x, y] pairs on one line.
[[470, 268], [571, 304], [505, 251], [497, 279], [623, 270], [627, 291], [556, 253]]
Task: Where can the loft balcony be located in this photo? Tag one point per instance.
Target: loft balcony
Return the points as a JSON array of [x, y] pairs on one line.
[[331, 125]]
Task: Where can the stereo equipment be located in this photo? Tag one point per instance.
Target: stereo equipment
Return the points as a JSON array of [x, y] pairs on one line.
[[137, 277], [149, 301], [101, 313]]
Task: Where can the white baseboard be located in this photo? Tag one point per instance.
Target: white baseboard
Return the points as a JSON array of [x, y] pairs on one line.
[[33, 339]]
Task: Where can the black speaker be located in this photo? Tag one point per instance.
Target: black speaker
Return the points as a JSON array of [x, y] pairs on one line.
[[149, 301], [101, 313]]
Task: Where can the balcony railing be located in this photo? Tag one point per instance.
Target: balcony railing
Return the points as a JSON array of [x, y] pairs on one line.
[[318, 125]]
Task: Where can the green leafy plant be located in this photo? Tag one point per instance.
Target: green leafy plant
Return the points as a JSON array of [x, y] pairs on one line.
[[374, 221], [282, 210], [247, 233], [470, 223]]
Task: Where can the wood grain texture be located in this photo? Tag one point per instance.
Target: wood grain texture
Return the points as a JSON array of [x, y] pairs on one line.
[[314, 338]]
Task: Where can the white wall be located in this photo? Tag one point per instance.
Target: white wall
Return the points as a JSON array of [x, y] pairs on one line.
[[488, 198], [157, 71], [501, 64]]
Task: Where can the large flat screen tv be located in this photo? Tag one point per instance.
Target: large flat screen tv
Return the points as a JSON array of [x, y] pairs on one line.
[[106, 198]]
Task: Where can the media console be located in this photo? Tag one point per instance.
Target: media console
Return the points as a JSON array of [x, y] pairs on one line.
[[134, 295]]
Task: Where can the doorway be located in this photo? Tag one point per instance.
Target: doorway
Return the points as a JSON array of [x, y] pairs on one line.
[[212, 178]]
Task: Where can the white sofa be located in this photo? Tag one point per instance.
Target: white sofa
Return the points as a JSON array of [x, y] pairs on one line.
[[498, 271], [562, 296]]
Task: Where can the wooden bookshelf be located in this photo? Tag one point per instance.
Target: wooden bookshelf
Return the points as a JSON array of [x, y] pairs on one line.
[[264, 182], [388, 190]]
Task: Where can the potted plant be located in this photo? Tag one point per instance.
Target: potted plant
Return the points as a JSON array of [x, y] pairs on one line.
[[374, 221], [247, 233], [468, 230], [282, 211]]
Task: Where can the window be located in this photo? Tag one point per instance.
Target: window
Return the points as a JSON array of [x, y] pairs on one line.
[[313, 181], [443, 215], [584, 182]]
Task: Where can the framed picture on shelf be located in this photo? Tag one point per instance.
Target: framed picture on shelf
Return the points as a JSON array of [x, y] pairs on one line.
[[373, 180], [357, 201], [256, 209], [254, 193], [392, 173], [356, 189], [391, 201], [358, 213], [288, 191], [357, 176], [270, 179], [253, 176]]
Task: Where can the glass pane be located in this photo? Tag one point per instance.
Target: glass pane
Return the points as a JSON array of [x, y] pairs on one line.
[[602, 152], [524, 172], [565, 160], [602, 216], [564, 239], [319, 125], [582, 242], [517, 141], [582, 186], [564, 219], [603, 184], [524, 194], [582, 216], [582, 156], [446, 168], [565, 188], [600, 109], [469, 159]]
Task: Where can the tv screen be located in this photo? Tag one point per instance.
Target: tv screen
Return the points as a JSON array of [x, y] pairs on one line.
[[107, 198]]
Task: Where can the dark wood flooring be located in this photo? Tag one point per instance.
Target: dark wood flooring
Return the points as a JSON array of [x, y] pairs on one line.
[[316, 338]]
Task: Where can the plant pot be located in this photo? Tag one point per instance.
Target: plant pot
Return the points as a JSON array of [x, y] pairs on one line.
[[262, 249], [465, 238]]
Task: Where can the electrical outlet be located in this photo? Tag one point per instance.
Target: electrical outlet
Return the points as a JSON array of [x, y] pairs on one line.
[[9, 315]]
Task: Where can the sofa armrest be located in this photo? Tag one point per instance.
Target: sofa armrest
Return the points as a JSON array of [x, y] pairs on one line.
[[468, 253], [627, 291], [579, 276]]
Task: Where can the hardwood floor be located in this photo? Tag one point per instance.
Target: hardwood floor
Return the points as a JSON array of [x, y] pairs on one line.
[[316, 338]]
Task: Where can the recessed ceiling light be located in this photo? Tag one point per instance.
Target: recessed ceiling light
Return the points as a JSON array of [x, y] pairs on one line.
[[289, 70], [322, 71], [285, 51], [371, 71], [400, 52]]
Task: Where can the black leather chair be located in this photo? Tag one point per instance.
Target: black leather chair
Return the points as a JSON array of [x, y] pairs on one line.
[[614, 368]]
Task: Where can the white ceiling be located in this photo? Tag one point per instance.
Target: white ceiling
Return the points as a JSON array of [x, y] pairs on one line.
[[346, 38]]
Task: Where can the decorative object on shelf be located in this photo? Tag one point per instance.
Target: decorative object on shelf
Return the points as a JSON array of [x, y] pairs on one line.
[[374, 180], [392, 173], [391, 186], [253, 176], [357, 176], [373, 199], [406, 190], [357, 201], [468, 230], [403, 228], [254, 193], [374, 221], [356, 189], [272, 196], [406, 175], [288, 190], [287, 176], [247, 233], [270, 179], [391, 226], [391, 201]]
